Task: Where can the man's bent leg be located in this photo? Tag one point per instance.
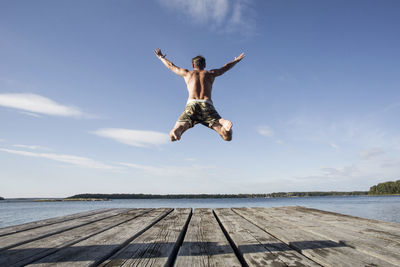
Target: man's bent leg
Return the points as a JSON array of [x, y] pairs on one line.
[[223, 128], [179, 128]]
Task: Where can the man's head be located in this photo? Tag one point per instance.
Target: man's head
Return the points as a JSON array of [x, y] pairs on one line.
[[199, 62]]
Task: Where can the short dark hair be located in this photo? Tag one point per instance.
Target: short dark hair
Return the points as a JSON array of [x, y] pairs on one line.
[[199, 62]]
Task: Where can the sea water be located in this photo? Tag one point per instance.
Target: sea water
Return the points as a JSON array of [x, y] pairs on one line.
[[386, 208]]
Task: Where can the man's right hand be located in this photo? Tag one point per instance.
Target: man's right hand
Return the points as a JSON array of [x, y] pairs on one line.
[[240, 57]]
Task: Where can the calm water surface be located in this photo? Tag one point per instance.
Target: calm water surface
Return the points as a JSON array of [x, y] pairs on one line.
[[386, 208]]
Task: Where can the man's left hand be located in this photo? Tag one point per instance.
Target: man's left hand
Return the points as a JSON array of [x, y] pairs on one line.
[[159, 53]]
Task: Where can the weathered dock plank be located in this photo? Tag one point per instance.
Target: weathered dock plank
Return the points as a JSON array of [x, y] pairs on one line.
[[205, 244], [96, 249], [35, 250], [323, 251], [257, 247], [280, 236], [380, 229], [352, 235], [22, 237], [31, 225], [155, 247]]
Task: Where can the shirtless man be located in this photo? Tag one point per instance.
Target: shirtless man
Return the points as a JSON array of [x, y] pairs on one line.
[[199, 107]]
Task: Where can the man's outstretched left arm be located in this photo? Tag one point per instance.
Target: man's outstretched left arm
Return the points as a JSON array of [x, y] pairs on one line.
[[169, 64], [227, 66]]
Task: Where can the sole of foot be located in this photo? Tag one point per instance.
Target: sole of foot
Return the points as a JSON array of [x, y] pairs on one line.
[[227, 125]]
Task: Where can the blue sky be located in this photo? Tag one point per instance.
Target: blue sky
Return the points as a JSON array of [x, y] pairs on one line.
[[85, 106]]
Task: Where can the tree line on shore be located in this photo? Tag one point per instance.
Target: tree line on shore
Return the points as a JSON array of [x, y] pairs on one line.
[[317, 194], [386, 188], [180, 196], [151, 196]]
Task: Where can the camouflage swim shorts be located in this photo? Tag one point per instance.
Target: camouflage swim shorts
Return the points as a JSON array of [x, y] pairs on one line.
[[199, 112]]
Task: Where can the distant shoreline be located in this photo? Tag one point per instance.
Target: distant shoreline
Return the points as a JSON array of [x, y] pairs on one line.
[[204, 196], [107, 197], [69, 199]]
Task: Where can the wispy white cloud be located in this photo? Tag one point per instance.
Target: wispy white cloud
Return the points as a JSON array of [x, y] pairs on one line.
[[367, 149], [335, 146], [265, 131], [137, 138], [36, 104], [200, 11], [346, 171], [228, 15], [30, 114], [12, 85], [33, 147], [371, 153], [359, 175], [350, 132], [383, 111], [171, 171], [70, 159], [146, 168]]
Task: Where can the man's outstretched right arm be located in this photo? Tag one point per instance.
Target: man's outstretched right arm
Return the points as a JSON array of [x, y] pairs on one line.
[[227, 66], [169, 64]]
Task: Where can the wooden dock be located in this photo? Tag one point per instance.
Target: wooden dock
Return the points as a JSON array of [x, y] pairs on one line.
[[281, 236]]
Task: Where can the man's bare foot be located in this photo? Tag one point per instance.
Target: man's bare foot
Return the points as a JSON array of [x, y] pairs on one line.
[[226, 125], [173, 137]]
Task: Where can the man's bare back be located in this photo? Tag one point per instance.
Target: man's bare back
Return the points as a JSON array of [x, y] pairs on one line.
[[199, 84], [199, 108]]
